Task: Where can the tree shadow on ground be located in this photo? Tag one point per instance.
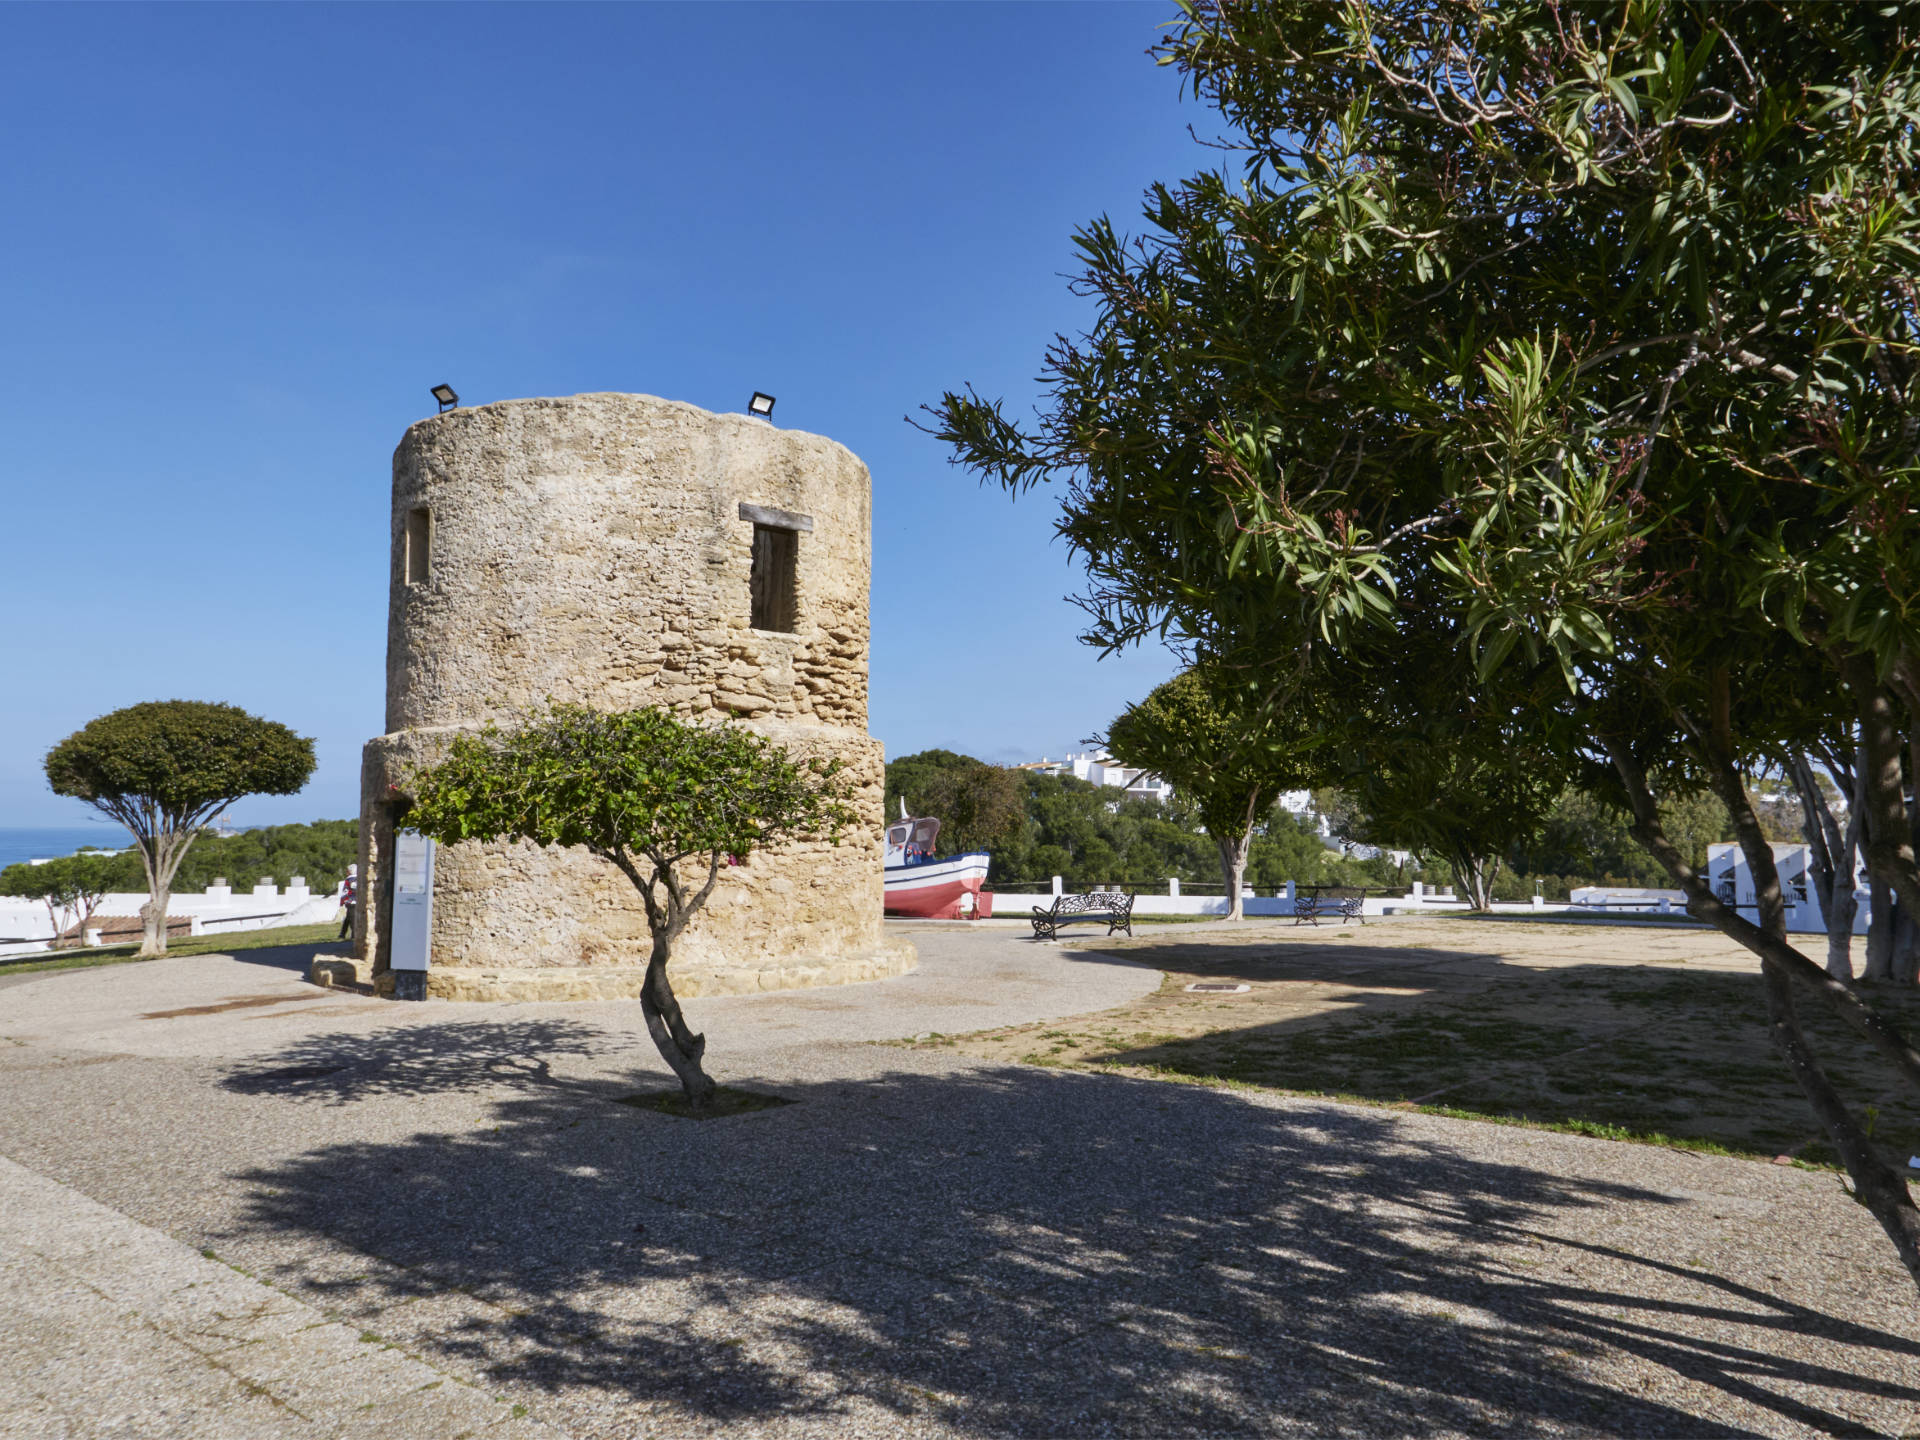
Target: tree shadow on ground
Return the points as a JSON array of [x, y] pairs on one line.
[[1030, 1252], [1647, 1049], [296, 958], [414, 1060]]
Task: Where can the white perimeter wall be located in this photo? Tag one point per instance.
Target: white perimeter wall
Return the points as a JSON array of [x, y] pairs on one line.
[[217, 912]]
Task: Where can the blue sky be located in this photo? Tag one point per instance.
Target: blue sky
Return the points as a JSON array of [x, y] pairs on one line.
[[240, 243]]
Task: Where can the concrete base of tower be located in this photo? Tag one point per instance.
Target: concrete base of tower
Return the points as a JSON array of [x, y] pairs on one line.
[[516, 921], [622, 982]]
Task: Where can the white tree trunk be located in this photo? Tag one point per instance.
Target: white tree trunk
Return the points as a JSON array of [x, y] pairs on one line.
[[1843, 905], [153, 922], [1233, 866], [1474, 875]]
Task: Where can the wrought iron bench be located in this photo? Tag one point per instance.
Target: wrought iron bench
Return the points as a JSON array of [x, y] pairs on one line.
[[1108, 905], [1311, 906]]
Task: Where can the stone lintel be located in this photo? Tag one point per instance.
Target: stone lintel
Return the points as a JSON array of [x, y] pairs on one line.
[[775, 519]]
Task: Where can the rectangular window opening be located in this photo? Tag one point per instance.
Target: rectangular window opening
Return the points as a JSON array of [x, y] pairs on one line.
[[776, 556], [419, 544]]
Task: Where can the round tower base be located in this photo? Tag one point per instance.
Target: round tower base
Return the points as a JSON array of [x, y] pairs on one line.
[[623, 982]]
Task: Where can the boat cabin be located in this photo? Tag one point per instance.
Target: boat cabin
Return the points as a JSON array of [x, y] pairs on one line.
[[910, 842]]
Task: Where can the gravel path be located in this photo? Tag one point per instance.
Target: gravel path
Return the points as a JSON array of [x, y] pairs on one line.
[[928, 1243]]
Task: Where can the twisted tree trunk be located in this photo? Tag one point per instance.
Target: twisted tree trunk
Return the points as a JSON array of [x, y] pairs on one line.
[[1817, 823], [1232, 836], [1875, 1183], [1890, 828], [669, 908], [153, 923], [672, 1036], [1879, 930], [1906, 918], [1843, 901]]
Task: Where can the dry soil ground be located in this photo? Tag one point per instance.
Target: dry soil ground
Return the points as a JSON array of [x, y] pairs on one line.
[[1654, 1031]]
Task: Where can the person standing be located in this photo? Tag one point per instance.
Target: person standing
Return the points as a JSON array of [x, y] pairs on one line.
[[349, 890]]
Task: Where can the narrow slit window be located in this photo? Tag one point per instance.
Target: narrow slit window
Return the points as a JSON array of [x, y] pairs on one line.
[[419, 545], [776, 555]]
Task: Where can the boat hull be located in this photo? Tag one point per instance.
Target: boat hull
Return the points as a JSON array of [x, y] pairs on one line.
[[935, 889]]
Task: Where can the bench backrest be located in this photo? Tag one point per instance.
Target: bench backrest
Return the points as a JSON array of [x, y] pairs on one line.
[[1105, 900]]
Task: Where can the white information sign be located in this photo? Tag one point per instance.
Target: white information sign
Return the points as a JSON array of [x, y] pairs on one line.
[[412, 900]]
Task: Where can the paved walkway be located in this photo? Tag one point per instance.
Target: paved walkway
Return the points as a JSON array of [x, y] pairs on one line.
[[924, 1244], [114, 1329]]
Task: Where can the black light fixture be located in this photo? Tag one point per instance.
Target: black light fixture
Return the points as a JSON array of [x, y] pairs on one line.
[[445, 395], [761, 405]]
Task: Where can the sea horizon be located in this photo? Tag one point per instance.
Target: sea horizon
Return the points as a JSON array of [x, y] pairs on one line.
[[50, 842]]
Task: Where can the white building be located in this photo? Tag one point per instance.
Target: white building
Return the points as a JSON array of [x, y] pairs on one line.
[[1097, 767], [1732, 881]]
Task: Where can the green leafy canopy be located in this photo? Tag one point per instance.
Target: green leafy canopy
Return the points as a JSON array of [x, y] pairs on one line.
[[1566, 314], [636, 782], [1209, 735], [68, 881], [165, 768], [183, 758]]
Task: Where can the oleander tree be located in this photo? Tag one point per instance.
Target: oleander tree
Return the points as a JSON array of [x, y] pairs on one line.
[[666, 802], [166, 769], [1589, 334], [71, 888]]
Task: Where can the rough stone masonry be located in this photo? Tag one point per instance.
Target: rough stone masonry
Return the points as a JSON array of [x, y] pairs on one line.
[[620, 551]]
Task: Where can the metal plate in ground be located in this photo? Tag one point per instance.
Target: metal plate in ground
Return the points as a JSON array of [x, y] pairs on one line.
[[1209, 987]]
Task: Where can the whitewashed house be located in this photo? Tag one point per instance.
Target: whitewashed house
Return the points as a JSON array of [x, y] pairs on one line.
[[1097, 767], [1732, 881]]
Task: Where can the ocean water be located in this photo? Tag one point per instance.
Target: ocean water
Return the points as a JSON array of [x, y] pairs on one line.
[[48, 843]]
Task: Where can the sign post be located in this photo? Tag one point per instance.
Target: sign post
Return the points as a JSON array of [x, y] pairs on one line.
[[412, 914]]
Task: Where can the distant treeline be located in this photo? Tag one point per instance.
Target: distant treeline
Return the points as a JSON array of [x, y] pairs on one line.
[[320, 851], [1038, 826]]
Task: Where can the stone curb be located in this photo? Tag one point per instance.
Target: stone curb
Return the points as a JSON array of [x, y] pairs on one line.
[[113, 1327], [896, 956]]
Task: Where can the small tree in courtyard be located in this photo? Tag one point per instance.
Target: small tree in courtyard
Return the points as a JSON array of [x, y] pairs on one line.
[[71, 888], [1209, 736], [165, 769], [1435, 760], [666, 802]]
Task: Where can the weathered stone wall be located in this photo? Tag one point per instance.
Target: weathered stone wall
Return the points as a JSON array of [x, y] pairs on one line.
[[592, 550]]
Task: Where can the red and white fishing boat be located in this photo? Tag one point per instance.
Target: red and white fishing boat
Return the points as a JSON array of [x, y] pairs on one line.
[[929, 886]]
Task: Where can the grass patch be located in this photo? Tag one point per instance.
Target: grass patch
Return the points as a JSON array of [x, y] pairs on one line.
[[1575, 917], [1589, 1128], [87, 959], [1583, 1029], [726, 1101]]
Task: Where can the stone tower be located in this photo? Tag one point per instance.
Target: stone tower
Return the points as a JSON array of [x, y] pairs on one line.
[[620, 551]]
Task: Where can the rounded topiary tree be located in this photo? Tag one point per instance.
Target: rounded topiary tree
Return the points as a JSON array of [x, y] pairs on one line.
[[666, 802], [166, 768]]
